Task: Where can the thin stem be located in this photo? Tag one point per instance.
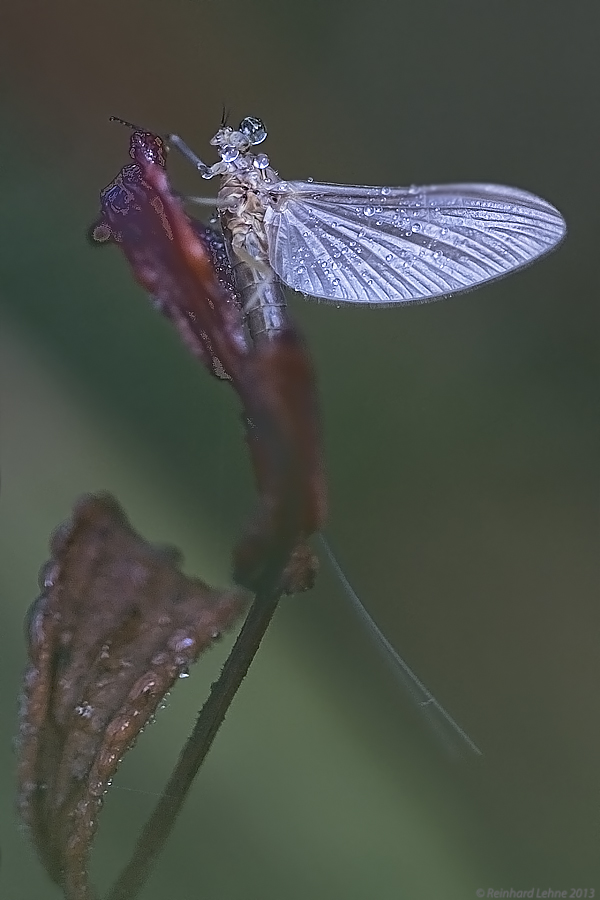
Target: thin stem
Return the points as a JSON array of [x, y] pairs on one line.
[[160, 823]]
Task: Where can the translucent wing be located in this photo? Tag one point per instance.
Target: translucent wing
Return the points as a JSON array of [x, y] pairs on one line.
[[399, 245]]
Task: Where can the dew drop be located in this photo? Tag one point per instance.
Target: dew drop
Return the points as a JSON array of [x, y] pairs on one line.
[[145, 685], [369, 211], [229, 153], [261, 161], [415, 227], [181, 640], [84, 710], [48, 574]]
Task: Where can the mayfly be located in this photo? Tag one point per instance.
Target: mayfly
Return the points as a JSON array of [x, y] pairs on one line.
[[377, 246]]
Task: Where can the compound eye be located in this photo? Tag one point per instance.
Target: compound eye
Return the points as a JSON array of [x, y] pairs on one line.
[[253, 130]]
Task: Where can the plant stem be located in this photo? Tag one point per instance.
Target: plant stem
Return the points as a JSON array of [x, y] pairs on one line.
[[212, 714]]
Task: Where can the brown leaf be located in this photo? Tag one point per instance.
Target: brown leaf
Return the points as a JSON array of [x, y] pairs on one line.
[[114, 627]]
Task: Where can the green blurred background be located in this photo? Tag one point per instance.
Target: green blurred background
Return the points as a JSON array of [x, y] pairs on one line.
[[461, 443]]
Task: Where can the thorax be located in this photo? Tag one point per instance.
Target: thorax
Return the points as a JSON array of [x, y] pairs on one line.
[[242, 201]]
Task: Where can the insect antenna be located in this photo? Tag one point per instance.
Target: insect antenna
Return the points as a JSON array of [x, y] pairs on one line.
[[125, 122]]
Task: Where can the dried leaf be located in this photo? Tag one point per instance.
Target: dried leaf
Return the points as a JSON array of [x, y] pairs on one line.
[[114, 627], [175, 258]]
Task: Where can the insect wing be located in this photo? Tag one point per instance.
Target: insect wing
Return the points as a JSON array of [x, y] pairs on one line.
[[383, 246]]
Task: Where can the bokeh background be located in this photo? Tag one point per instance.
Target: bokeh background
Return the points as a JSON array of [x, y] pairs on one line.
[[461, 443]]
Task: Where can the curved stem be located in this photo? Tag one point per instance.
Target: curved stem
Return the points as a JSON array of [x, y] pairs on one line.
[[159, 825]]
